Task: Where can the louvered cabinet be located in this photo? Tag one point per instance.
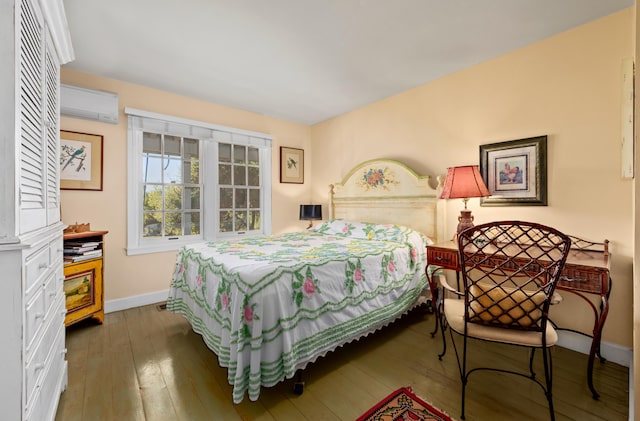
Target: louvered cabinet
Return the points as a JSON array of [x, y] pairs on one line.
[[34, 41]]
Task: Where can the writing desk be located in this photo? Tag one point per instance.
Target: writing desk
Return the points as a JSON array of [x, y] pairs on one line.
[[586, 271]]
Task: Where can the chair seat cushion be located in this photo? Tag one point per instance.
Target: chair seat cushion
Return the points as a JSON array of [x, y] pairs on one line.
[[454, 311]]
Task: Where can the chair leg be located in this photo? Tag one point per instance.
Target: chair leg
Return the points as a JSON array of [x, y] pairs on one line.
[[463, 375], [548, 374], [532, 354]]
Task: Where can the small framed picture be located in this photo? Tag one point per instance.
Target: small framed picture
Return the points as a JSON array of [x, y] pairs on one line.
[[515, 172], [80, 161], [291, 165]]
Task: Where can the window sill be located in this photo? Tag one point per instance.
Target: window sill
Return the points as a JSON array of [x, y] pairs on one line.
[[158, 248]]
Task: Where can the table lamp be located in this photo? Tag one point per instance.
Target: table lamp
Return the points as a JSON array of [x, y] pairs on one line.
[[464, 183], [310, 213]]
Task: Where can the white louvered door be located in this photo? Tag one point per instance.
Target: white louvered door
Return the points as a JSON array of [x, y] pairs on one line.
[[52, 132], [32, 191], [39, 70]]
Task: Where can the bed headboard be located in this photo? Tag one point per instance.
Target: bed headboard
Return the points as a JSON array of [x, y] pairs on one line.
[[387, 191]]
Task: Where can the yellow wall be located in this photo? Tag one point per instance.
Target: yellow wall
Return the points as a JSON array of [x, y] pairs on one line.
[[567, 87], [127, 276]]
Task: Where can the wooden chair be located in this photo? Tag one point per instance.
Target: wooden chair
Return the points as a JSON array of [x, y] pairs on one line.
[[509, 270]]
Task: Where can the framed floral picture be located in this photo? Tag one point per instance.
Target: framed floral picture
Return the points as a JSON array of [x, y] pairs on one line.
[[291, 165], [80, 161], [515, 172]]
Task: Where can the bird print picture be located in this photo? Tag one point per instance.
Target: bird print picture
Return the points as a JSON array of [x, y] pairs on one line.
[[75, 160]]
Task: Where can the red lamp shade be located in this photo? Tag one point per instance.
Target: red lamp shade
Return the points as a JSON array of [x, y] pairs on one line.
[[463, 183]]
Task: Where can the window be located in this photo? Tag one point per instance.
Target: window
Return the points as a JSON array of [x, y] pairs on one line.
[[239, 188], [171, 189], [191, 181]]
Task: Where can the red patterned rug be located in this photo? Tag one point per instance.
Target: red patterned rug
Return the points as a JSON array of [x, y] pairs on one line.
[[403, 405]]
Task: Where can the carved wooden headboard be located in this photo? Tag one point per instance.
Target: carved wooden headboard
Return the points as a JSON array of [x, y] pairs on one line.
[[387, 191]]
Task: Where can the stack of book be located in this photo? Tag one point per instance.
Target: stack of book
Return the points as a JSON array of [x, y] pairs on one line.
[[77, 251]]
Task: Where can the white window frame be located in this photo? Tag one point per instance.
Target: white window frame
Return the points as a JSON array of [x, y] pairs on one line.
[[210, 135]]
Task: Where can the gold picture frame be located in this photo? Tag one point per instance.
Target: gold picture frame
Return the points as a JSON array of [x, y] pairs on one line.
[[291, 165], [80, 161]]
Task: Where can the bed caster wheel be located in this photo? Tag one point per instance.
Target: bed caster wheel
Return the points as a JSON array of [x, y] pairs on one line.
[[298, 388], [430, 307]]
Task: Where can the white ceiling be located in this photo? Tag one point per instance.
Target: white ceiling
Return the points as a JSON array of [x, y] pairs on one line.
[[306, 60]]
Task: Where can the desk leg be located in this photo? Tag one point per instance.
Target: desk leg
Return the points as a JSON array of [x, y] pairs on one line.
[[595, 345], [435, 305], [437, 299]]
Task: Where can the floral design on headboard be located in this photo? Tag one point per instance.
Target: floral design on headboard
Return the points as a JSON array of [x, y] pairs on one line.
[[377, 178]]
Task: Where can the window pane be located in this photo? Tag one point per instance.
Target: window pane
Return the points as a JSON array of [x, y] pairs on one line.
[[254, 198], [254, 156], [151, 170], [241, 198], [171, 145], [241, 221], [226, 221], [173, 171], [151, 143], [226, 198], [192, 223], [192, 198], [191, 149], [254, 176], [192, 172], [172, 198], [239, 154], [254, 220], [152, 224], [172, 223], [224, 174], [224, 152], [152, 198], [239, 175]]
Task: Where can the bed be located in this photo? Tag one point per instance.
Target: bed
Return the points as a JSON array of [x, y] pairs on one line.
[[268, 306]]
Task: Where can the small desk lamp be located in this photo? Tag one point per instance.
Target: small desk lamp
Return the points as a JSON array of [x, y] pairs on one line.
[[463, 183], [310, 213]]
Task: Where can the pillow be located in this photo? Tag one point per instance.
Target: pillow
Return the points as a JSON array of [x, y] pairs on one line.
[[503, 305], [363, 230], [415, 240]]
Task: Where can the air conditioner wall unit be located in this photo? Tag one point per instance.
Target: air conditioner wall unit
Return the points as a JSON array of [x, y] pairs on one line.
[[89, 104]]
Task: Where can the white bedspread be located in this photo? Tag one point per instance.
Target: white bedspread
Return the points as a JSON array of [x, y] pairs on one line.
[[268, 306]]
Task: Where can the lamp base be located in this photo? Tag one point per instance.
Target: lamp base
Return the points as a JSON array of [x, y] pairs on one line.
[[465, 220]]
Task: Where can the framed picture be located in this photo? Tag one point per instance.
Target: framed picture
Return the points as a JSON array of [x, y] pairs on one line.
[[515, 172], [291, 165], [80, 161]]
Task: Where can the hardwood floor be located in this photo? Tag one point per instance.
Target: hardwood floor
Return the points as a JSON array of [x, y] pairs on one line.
[[147, 364]]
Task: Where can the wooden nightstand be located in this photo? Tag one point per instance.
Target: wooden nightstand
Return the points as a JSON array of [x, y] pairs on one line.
[[83, 271]]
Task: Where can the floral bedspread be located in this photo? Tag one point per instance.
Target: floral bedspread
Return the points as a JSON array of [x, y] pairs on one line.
[[269, 305]]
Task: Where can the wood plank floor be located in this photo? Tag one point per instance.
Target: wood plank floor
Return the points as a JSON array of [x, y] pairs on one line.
[[147, 364]]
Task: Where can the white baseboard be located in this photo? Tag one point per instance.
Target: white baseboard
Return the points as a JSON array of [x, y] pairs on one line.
[[135, 301], [580, 343]]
